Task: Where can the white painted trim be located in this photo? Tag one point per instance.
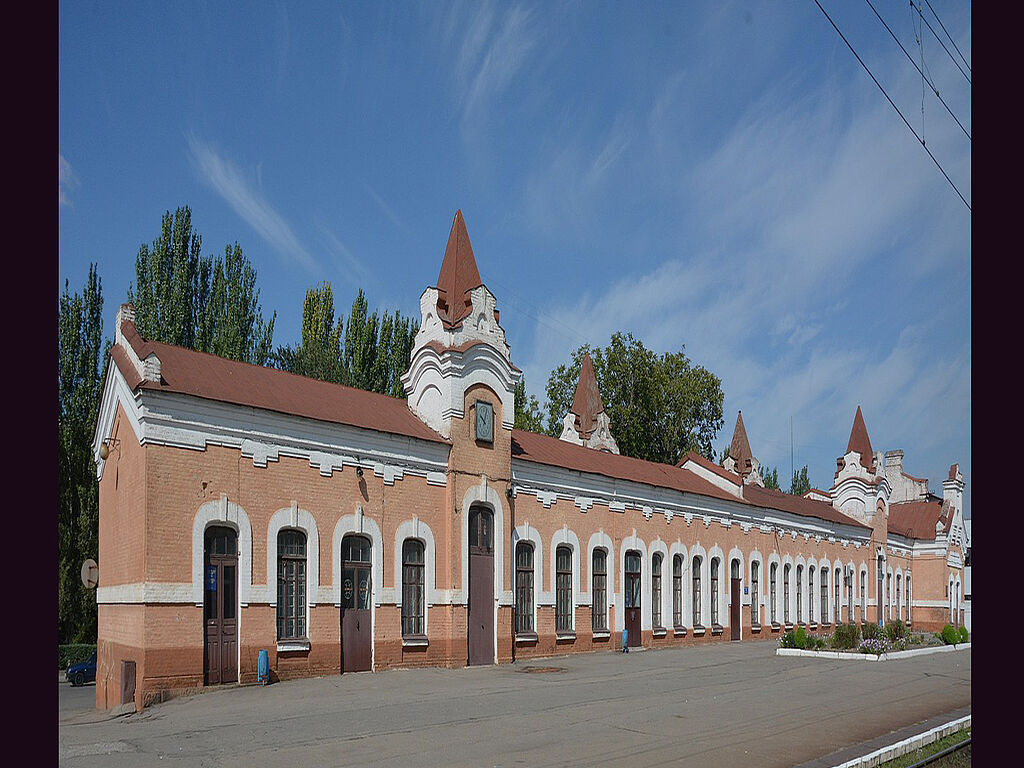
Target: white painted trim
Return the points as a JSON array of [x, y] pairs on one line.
[[229, 514], [565, 536], [526, 533], [857, 656], [633, 542], [362, 525], [143, 592], [601, 540], [485, 495], [659, 547], [677, 548], [696, 551], [886, 754], [294, 518]]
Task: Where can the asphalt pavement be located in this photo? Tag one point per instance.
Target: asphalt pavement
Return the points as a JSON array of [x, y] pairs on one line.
[[726, 704]]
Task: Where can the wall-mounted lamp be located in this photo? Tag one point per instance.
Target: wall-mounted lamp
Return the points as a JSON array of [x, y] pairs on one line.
[[105, 447], [359, 471], [508, 491]]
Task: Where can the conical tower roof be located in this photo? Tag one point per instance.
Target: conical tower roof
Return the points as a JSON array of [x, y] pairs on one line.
[[586, 403], [860, 442], [459, 275], [739, 449]]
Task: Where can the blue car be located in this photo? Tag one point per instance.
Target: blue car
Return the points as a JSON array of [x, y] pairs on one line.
[[82, 673]]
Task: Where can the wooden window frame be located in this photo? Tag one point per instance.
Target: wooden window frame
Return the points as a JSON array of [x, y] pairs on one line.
[[755, 613], [563, 590], [292, 586], [599, 593], [525, 593], [656, 562], [414, 589], [715, 565], [677, 591], [697, 602]]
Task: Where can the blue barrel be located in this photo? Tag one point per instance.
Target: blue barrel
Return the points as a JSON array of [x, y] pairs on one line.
[[263, 667], [625, 641]]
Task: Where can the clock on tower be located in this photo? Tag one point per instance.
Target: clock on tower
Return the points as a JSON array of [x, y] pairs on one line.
[[484, 421]]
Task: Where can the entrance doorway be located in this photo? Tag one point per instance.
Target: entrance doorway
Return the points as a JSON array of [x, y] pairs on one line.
[[631, 588], [734, 600], [481, 586], [220, 611], [356, 592]]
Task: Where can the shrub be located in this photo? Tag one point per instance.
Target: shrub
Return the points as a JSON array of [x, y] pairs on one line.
[[872, 631], [73, 654], [949, 635], [846, 636], [788, 640], [963, 635], [819, 643], [897, 634], [801, 638]]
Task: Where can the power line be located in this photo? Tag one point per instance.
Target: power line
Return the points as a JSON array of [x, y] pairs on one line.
[[951, 58], [893, 105], [947, 34], [923, 75]]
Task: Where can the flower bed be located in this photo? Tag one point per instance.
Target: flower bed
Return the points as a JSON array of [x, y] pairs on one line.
[[871, 639]]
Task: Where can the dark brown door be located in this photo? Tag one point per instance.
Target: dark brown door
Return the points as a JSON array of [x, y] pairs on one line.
[[356, 593], [220, 613], [481, 586], [734, 607], [632, 595]]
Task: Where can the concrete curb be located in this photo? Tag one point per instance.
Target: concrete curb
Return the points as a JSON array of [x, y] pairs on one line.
[[870, 656], [901, 748]]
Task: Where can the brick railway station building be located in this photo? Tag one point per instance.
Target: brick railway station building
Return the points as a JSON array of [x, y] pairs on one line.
[[244, 508]]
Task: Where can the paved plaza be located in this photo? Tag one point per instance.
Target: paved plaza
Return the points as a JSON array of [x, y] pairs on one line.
[[727, 704]]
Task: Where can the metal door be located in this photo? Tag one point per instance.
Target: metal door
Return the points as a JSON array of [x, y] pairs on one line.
[[631, 589], [356, 594], [220, 612], [481, 586]]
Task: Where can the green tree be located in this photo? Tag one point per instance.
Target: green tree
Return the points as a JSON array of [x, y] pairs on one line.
[[319, 354], [659, 407], [801, 483], [183, 298], [81, 356], [361, 337], [528, 416], [770, 477]]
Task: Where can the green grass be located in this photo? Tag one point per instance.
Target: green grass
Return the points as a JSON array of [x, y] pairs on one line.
[[951, 761]]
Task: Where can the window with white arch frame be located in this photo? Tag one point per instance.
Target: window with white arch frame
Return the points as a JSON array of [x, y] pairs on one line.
[[772, 587], [677, 591], [755, 618], [810, 594], [696, 598], [786, 569], [291, 585], [599, 592], [524, 588], [799, 594], [413, 588]]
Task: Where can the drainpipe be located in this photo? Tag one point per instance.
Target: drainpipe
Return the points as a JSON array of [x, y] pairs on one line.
[[512, 562]]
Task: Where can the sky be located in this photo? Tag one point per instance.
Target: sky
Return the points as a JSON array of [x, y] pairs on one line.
[[723, 178]]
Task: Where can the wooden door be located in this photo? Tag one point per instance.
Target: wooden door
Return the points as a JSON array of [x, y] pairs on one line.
[[631, 588], [734, 607], [481, 586], [220, 613], [356, 594]]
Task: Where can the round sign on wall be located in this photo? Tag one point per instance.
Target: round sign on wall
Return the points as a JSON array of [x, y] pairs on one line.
[[90, 573]]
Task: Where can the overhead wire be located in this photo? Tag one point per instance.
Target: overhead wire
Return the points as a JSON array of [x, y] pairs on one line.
[[951, 57], [920, 140], [948, 35], [925, 77]]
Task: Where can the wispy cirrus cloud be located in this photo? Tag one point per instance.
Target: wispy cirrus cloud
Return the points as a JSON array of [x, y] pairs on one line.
[[66, 181], [248, 202]]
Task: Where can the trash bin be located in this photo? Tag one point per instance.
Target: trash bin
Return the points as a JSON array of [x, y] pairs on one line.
[[263, 667], [625, 641]]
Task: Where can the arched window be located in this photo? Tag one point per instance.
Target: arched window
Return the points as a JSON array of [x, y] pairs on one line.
[[863, 596], [910, 612], [291, 585], [677, 591], [714, 592], [824, 595], [799, 594], [772, 581], [810, 594], [785, 592], [899, 595], [849, 595], [412, 588], [524, 588], [755, 618], [835, 602], [696, 593], [599, 594], [656, 590], [563, 589], [888, 596]]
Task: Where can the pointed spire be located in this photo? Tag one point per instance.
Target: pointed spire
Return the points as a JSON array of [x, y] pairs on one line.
[[739, 449], [459, 275], [586, 403], [860, 442]]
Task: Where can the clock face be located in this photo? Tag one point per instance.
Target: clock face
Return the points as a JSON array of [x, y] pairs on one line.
[[484, 421]]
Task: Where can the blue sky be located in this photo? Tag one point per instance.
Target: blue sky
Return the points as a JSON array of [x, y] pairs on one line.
[[722, 175]]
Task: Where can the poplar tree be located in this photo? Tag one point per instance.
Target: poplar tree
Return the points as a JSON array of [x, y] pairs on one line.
[[81, 367]]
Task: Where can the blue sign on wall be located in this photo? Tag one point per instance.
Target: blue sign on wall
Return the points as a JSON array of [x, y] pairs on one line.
[[746, 590], [211, 578]]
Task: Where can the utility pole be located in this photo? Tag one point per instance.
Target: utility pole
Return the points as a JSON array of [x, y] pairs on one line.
[[792, 466]]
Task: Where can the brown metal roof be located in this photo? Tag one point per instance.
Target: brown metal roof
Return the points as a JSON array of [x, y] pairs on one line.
[[739, 449], [798, 505], [528, 446], [459, 275], [723, 473], [860, 442], [188, 372], [917, 519], [586, 403]]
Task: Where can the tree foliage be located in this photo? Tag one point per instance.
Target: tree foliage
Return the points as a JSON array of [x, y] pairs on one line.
[[529, 416], [181, 297], [660, 407], [801, 483], [81, 356], [370, 351], [770, 476]]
